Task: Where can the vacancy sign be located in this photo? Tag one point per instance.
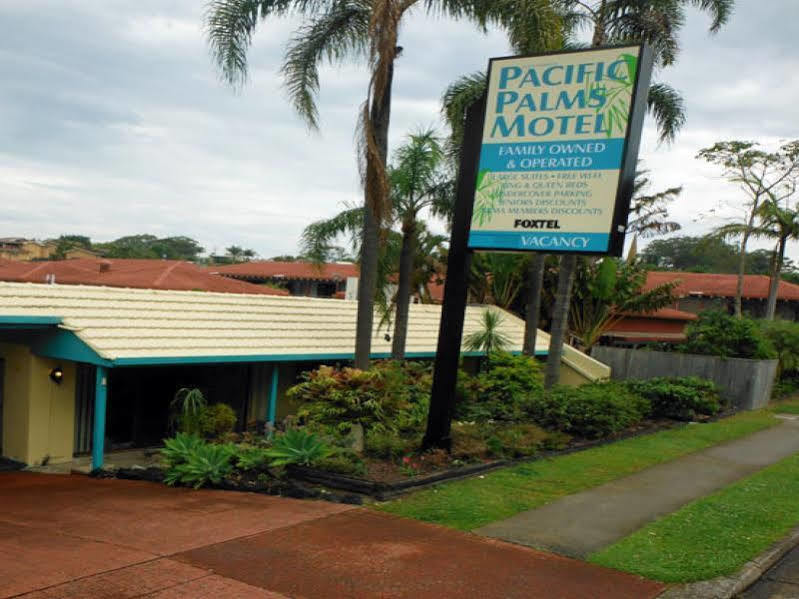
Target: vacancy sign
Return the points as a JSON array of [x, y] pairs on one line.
[[560, 142]]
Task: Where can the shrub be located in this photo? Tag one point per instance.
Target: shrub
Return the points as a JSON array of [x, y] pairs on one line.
[[679, 398], [217, 420], [468, 441], [503, 391], [342, 462], [517, 440], [299, 447], [389, 445], [716, 333], [251, 458], [391, 395], [784, 338], [592, 411], [204, 463]]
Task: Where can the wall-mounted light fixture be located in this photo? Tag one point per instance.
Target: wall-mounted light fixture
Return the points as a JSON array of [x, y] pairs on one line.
[[57, 375]]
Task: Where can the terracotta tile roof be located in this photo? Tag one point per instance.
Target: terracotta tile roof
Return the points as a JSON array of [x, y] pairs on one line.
[[721, 285], [142, 274], [267, 269]]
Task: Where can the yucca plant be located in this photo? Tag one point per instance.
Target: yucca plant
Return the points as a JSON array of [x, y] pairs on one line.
[[187, 409], [298, 447]]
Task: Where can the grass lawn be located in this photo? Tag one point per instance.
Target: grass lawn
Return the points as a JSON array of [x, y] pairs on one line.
[[470, 503], [715, 535], [785, 406]]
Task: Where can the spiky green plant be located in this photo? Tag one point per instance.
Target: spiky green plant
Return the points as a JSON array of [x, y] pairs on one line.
[[489, 338], [297, 446], [205, 463], [187, 409]]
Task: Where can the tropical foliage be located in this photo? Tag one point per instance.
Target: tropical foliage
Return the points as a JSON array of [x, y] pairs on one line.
[[608, 290], [489, 338], [717, 333]]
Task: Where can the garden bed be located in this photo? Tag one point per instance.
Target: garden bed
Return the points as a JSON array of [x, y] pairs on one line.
[[396, 484]]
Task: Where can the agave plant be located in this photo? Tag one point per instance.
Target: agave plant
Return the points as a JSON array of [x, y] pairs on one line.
[[205, 463], [298, 447]]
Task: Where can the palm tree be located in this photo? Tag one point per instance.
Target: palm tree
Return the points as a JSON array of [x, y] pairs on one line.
[[416, 183], [333, 30], [618, 21], [777, 223], [489, 338]]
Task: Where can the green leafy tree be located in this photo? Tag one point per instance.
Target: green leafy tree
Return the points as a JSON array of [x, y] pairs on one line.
[[761, 175]]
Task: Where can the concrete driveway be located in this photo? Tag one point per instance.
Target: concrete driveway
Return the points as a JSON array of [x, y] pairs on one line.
[[75, 537]]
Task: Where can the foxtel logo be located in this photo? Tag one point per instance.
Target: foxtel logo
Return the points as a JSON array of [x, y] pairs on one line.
[[535, 224]]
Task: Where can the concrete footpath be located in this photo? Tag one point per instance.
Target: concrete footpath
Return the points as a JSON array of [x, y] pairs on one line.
[[580, 524], [73, 537]]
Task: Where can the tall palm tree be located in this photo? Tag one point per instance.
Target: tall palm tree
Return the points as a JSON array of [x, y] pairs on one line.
[[417, 182], [618, 21], [331, 31]]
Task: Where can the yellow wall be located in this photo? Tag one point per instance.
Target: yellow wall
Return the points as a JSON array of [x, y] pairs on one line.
[[569, 376], [38, 414]]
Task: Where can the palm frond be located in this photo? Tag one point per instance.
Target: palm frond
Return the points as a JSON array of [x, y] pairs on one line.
[[230, 24], [457, 98], [340, 32], [318, 237], [666, 105]]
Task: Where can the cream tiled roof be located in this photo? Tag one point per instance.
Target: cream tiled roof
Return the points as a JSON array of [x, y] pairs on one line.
[[141, 323]]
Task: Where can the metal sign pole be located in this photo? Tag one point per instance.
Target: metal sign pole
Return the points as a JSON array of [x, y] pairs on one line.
[[453, 310]]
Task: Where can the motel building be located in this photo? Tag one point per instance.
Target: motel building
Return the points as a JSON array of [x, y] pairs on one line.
[[89, 370]]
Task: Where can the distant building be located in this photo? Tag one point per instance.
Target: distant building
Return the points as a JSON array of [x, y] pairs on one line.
[[19, 248], [666, 325], [26, 250], [299, 278], [143, 274], [697, 292]]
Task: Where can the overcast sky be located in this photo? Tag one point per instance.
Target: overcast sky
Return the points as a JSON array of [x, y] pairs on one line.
[[113, 120]]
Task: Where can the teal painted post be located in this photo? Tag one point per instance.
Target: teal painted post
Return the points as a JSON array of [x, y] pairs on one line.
[[273, 395], [100, 397]]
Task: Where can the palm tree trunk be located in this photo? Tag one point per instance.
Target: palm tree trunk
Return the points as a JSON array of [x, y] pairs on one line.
[[380, 115], [407, 254], [600, 37], [774, 283], [739, 287], [560, 324], [535, 274]]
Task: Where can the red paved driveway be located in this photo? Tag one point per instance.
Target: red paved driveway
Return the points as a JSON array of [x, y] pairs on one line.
[[74, 537]]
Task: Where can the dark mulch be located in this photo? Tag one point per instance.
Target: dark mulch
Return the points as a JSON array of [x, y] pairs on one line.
[[9, 465]]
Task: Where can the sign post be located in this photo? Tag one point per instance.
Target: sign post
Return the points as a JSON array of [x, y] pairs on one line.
[[557, 137]]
